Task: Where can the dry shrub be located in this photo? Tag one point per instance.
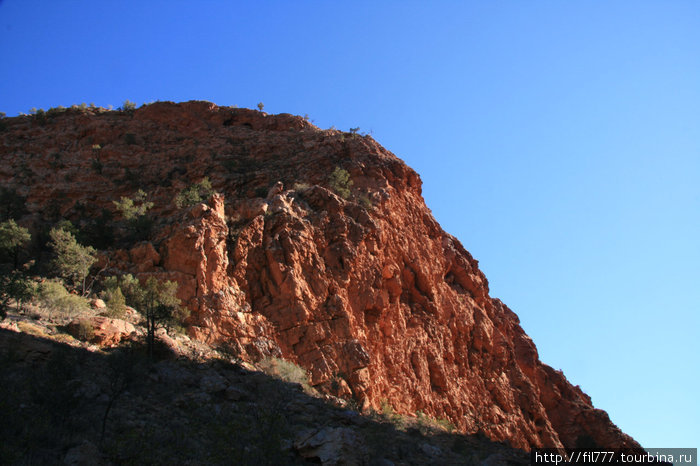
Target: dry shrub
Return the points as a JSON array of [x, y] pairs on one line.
[[285, 370]]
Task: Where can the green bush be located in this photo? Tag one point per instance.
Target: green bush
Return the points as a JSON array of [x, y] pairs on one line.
[[194, 194], [54, 297], [14, 285], [340, 182], [128, 106], [116, 303], [158, 303], [40, 115], [132, 208], [155, 300], [427, 424], [387, 411], [72, 261], [126, 288], [12, 238]]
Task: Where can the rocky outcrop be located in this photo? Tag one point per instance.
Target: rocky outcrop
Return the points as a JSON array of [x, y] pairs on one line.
[[103, 331], [366, 292]]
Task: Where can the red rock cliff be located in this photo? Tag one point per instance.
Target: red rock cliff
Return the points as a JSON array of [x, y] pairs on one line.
[[368, 293]]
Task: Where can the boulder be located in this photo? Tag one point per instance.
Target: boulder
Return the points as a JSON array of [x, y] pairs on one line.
[[332, 446], [97, 304], [105, 331]]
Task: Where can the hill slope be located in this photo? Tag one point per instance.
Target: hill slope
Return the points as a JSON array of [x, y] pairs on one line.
[[352, 279]]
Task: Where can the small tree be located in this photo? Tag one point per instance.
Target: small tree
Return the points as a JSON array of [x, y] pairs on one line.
[[128, 106], [133, 211], [260, 106], [128, 285], [158, 303], [340, 182], [194, 194], [116, 302], [155, 300], [12, 238], [132, 208], [72, 261], [14, 286]]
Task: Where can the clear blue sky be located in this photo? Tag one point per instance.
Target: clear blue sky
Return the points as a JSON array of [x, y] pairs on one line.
[[559, 141]]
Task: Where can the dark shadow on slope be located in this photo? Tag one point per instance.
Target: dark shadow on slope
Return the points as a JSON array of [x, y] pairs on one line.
[[60, 402]]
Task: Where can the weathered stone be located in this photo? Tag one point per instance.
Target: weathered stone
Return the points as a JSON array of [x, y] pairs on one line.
[[97, 303], [332, 446], [107, 332]]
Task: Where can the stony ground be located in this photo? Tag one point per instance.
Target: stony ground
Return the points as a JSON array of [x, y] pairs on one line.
[[66, 401]]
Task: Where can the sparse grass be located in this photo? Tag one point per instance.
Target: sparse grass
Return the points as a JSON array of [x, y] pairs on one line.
[[32, 329], [287, 371], [387, 412], [301, 186], [63, 338], [427, 424]]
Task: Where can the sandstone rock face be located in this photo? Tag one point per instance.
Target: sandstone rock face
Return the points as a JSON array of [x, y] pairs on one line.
[[367, 293]]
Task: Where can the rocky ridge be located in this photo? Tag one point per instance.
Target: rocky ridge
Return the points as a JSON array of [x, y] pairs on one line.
[[366, 292]]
